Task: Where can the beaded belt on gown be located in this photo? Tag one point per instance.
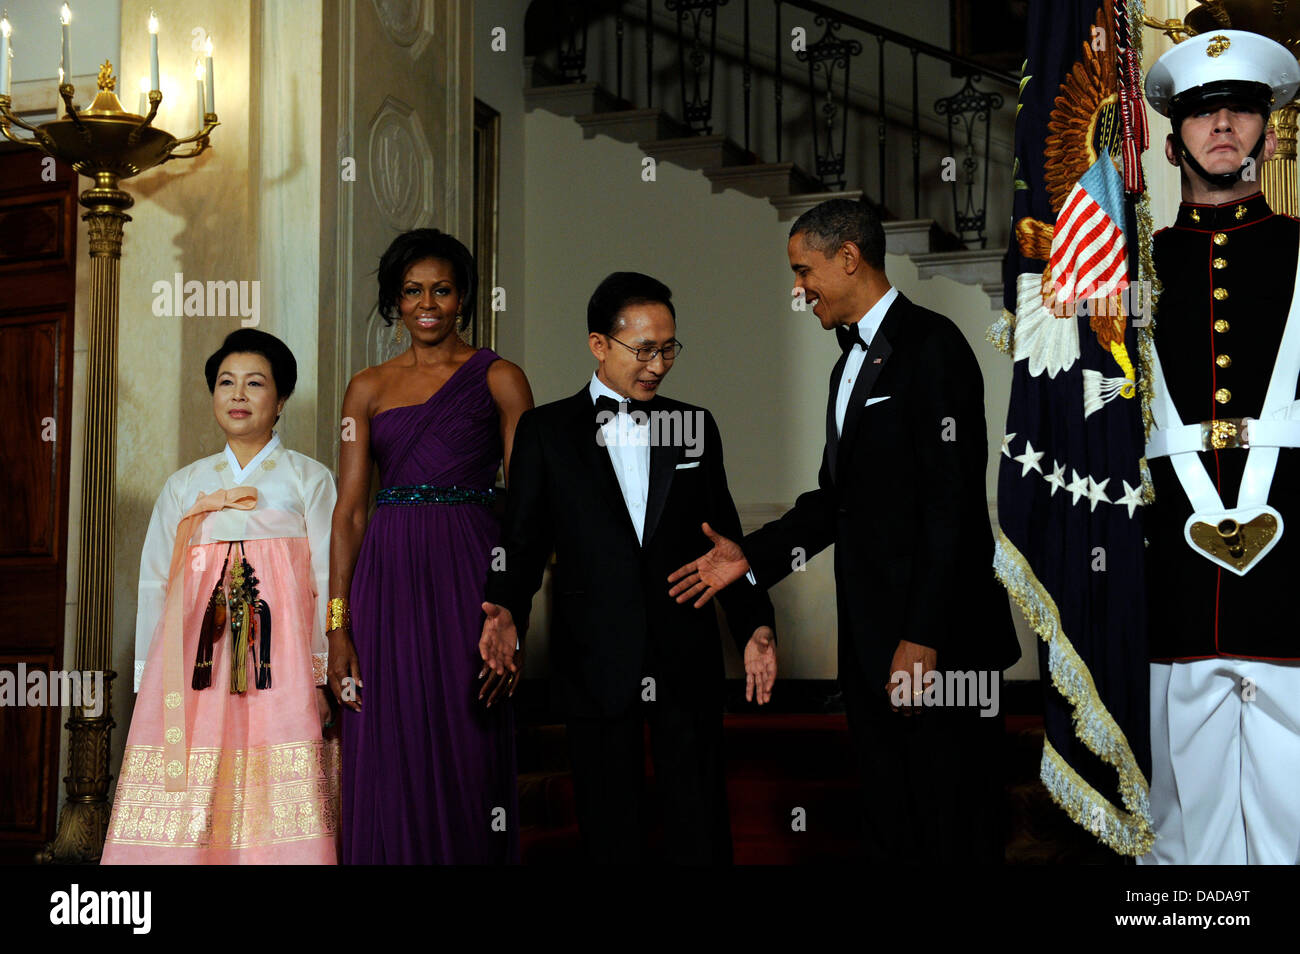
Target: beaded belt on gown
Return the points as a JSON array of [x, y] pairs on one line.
[[428, 494]]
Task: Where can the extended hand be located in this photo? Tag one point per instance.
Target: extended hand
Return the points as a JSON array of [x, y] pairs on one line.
[[906, 656], [343, 669], [716, 570], [497, 647], [760, 665]]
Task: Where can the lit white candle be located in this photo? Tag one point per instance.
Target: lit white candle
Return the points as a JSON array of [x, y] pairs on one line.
[[153, 49], [144, 96], [5, 30], [65, 66], [198, 87], [211, 101]]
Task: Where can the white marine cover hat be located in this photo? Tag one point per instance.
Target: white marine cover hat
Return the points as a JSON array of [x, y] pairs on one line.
[[1228, 64]]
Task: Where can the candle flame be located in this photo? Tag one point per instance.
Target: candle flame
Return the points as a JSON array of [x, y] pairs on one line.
[[207, 48], [5, 28], [198, 68], [153, 22], [65, 15]]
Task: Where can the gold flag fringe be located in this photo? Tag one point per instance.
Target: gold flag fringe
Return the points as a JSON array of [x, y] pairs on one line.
[[1124, 832]]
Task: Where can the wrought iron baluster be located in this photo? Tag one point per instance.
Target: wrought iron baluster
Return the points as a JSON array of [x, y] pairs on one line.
[[778, 80], [916, 140], [618, 34], [698, 109], [649, 53], [825, 56], [747, 82], [880, 126], [571, 15], [967, 107]]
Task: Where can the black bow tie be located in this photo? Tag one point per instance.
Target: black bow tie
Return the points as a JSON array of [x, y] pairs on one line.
[[848, 336], [626, 405], [607, 403]]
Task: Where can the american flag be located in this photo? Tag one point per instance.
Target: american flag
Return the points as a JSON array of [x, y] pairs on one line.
[[1089, 254]]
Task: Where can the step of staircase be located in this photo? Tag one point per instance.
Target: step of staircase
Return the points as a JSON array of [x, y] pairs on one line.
[[571, 99], [633, 125], [764, 180], [981, 267], [790, 207], [696, 152], [913, 237]]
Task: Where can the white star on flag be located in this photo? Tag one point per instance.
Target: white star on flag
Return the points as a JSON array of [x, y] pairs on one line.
[[1132, 497], [1097, 492], [1006, 444], [1078, 486], [1029, 459], [1057, 478]]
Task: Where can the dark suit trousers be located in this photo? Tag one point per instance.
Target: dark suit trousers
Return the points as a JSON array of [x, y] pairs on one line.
[[614, 814], [932, 781]]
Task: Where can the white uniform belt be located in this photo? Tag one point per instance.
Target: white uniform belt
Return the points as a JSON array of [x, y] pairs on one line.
[[1221, 434]]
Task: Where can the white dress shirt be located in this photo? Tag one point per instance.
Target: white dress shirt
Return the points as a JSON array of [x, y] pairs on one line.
[[867, 326], [628, 445]]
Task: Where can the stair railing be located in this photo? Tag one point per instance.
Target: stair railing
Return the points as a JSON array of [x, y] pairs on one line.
[[829, 58]]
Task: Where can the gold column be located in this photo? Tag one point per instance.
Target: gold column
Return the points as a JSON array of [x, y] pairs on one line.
[[1278, 175], [107, 144]]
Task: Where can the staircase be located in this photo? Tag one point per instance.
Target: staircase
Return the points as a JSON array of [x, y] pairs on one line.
[[726, 164]]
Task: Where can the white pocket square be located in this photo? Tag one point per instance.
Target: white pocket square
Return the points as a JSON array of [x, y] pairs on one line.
[[877, 400], [694, 463]]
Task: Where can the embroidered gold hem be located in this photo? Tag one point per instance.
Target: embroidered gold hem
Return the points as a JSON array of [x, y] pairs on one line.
[[237, 798], [1124, 832]]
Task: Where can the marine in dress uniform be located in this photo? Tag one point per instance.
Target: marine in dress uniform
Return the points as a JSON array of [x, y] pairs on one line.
[[1225, 632]]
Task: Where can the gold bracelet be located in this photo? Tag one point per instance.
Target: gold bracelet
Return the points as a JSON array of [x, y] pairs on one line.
[[337, 615]]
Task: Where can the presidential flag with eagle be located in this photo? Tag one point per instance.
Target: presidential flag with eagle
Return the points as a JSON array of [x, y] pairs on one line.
[[1072, 481]]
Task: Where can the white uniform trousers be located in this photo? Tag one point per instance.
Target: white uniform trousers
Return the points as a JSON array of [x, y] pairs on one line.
[[1225, 762]]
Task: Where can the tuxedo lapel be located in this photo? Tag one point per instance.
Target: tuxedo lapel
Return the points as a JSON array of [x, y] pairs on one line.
[[594, 458], [663, 465], [875, 361]]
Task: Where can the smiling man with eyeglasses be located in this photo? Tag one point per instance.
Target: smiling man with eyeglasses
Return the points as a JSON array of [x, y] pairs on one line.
[[620, 498]]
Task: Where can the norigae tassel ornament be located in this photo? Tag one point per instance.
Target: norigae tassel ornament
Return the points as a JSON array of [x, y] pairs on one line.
[[214, 624]]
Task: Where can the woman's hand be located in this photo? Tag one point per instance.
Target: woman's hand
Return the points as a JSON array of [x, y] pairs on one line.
[[344, 670], [324, 709]]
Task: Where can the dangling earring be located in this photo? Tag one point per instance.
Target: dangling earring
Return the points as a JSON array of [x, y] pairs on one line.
[[460, 322], [397, 333]]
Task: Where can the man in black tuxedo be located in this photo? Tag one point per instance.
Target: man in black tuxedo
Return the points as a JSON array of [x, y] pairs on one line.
[[617, 480], [901, 493]]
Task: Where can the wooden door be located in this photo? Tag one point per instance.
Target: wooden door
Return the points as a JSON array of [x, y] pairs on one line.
[[38, 237]]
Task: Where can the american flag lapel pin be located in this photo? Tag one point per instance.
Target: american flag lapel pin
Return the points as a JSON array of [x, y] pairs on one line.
[[877, 361]]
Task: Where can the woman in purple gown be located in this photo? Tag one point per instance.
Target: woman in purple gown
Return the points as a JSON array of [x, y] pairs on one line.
[[428, 768]]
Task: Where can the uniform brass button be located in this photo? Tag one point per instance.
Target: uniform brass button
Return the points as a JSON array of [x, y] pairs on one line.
[[1223, 395], [1223, 361], [1220, 294], [1221, 325], [1220, 238], [1220, 263]]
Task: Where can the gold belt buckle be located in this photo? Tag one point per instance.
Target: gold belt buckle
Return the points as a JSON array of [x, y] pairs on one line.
[[1236, 543], [1223, 433]]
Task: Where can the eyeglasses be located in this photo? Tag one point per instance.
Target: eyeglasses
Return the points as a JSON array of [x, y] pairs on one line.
[[669, 351]]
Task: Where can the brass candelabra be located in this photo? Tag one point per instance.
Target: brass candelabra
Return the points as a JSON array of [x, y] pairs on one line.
[[107, 144]]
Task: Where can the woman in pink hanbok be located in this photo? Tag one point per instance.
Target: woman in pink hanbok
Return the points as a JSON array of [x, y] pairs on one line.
[[227, 760]]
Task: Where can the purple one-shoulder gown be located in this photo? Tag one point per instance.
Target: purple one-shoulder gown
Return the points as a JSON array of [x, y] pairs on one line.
[[428, 772]]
